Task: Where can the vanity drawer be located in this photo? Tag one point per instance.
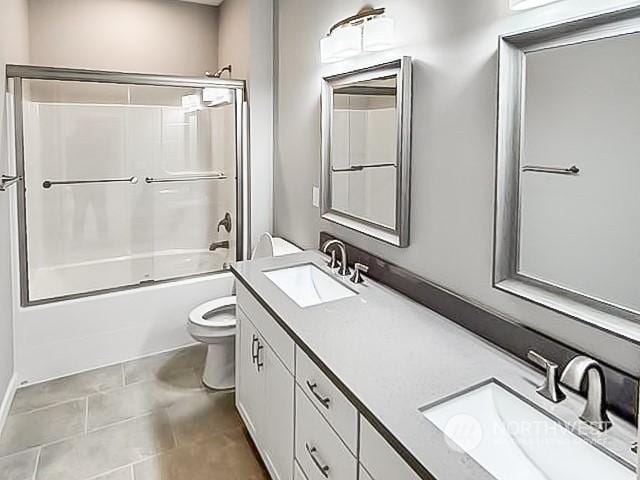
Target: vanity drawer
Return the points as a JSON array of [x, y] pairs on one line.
[[297, 472], [271, 331], [318, 447], [364, 475], [328, 399], [379, 458]]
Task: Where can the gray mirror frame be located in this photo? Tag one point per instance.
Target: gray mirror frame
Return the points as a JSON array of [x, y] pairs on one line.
[[399, 236], [616, 319]]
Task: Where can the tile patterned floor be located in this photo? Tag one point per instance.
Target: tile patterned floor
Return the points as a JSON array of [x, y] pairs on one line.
[[149, 419]]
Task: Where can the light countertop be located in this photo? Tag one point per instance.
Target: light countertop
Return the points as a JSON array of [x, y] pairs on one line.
[[393, 356]]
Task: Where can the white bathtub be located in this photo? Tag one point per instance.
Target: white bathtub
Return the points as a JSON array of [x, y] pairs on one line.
[[65, 337]]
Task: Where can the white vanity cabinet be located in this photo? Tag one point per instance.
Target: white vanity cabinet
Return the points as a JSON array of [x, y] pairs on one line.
[[279, 389], [379, 459], [265, 396]]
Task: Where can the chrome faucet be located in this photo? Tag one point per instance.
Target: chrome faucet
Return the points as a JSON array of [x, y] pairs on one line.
[[595, 412], [216, 245], [344, 264], [549, 389]]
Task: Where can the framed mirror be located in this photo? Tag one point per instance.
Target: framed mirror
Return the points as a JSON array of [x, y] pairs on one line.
[[567, 219], [366, 150]]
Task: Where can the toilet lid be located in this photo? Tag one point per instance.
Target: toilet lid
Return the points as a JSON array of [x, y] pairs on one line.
[[264, 247], [218, 313]]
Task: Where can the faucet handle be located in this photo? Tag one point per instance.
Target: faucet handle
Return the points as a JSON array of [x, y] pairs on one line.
[[550, 388], [358, 269]]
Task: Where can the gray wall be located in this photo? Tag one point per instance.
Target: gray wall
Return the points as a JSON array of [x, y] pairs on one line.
[[13, 49], [246, 42], [147, 36], [453, 44], [234, 39]]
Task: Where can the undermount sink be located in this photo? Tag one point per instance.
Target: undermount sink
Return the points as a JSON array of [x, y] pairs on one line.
[[308, 285], [513, 440]]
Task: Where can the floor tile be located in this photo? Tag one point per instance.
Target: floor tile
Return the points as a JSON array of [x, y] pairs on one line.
[[66, 388], [203, 416], [139, 399], [47, 425], [226, 456], [107, 449], [167, 367], [19, 466], [125, 473]]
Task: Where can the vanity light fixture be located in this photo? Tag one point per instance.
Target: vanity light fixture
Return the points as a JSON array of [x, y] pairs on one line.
[[367, 30], [527, 4]]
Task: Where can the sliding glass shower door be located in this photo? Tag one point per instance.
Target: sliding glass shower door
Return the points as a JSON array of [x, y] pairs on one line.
[[125, 184]]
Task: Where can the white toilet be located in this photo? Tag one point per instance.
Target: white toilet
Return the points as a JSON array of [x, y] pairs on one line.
[[214, 323]]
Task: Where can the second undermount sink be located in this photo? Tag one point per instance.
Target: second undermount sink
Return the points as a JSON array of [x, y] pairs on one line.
[[308, 285], [513, 440]]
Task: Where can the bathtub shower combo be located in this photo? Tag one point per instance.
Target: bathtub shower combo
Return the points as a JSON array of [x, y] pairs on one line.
[[126, 179]]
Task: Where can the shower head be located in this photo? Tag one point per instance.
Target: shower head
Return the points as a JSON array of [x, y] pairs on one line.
[[218, 74]]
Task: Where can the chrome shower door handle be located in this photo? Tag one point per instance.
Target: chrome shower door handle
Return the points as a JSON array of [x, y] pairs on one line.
[[50, 183], [572, 170], [186, 178]]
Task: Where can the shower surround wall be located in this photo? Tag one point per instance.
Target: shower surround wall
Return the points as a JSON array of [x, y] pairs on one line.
[[83, 238]]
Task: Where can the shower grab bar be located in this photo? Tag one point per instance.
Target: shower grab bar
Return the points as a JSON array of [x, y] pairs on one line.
[[186, 178], [572, 170], [359, 168], [51, 183], [7, 180]]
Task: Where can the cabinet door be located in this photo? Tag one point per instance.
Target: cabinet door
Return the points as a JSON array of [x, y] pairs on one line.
[[250, 377], [278, 420]]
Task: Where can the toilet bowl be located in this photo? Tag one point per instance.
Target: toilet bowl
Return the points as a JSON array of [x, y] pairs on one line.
[[214, 323]]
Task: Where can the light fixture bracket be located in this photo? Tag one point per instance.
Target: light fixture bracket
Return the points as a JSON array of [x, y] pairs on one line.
[[362, 16]]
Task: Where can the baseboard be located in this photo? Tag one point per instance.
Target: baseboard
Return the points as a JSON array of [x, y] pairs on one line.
[[7, 400]]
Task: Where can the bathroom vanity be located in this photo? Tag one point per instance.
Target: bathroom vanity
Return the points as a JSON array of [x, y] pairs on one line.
[[337, 380]]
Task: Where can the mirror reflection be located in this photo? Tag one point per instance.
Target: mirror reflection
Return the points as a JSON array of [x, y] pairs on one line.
[[579, 227], [363, 150]]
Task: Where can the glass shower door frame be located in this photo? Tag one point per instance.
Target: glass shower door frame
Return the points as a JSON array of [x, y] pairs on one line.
[[18, 73]]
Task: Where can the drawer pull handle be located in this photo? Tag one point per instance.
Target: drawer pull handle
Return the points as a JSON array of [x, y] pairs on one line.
[[323, 400], [259, 363], [254, 355], [312, 451]]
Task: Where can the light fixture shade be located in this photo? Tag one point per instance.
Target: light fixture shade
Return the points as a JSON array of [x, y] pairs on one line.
[[343, 42], [215, 97], [526, 4], [378, 34]]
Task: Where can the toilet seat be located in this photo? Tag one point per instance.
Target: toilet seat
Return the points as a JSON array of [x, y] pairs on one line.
[[216, 314], [214, 323]]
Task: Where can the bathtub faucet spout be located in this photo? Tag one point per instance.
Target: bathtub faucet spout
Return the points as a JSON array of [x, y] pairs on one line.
[[216, 245]]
